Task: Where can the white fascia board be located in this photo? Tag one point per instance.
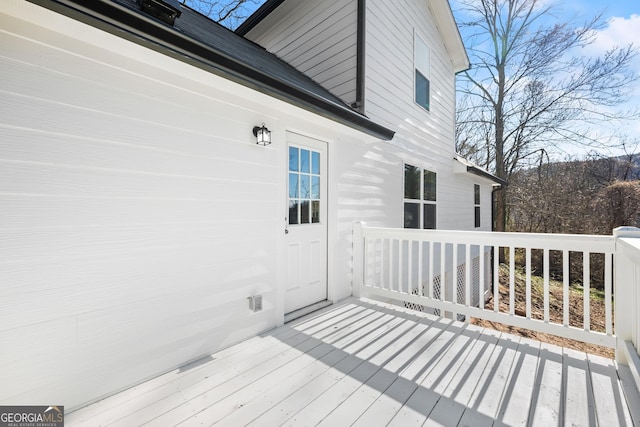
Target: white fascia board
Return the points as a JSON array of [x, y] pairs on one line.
[[450, 34]]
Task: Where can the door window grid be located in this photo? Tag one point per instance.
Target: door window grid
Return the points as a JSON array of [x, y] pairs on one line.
[[304, 186]]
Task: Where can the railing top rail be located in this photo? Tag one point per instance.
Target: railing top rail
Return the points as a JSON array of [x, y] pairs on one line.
[[577, 242], [630, 243]]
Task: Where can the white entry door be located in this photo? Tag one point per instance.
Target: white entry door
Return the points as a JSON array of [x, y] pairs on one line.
[[306, 222]]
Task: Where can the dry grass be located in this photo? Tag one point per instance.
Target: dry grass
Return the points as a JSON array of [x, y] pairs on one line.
[[597, 311]]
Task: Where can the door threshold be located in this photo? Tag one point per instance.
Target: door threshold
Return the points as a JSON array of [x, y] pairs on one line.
[[306, 310]]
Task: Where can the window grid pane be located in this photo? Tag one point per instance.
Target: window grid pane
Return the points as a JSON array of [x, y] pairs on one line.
[[422, 90], [411, 182], [429, 186], [411, 215], [429, 216]]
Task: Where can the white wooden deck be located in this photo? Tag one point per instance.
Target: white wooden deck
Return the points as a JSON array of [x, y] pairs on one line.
[[366, 363]]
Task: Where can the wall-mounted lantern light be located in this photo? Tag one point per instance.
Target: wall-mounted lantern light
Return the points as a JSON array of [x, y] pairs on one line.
[[262, 134]]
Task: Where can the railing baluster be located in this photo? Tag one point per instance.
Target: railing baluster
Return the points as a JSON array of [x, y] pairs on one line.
[[391, 257], [410, 267], [443, 281], [365, 261], [481, 281], [400, 264], [607, 293], [455, 274], [586, 290], [468, 269], [496, 278], [420, 272], [382, 255], [565, 288], [528, 280], [545, 269], [512, 280], [431, 275]]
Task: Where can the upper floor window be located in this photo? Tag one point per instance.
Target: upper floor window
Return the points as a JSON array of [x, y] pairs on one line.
[[419, 198], [476, 204], [422, 74]]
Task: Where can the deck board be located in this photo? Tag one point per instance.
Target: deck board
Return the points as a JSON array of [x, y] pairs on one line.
[[367, 363]]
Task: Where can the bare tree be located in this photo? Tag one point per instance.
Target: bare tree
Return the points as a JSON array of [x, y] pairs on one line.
[[230, 13], [529, 88]]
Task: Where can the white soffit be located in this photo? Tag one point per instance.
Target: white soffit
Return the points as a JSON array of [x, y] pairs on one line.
[[450, 34]]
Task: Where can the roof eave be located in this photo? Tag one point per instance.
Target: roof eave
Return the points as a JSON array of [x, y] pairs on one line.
[[257, 16], [450, 35], [140, 29]]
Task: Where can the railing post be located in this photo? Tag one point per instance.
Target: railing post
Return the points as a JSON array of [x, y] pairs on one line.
[[357, 259], [626, 295]]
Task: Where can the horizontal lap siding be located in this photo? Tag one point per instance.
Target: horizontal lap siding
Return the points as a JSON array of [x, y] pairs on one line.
[[390, 75], [426, 138], [319, 39], [135, 219]]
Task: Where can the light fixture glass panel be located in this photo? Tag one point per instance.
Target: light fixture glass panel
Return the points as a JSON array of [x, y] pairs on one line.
[[293, 159], [265, 137]]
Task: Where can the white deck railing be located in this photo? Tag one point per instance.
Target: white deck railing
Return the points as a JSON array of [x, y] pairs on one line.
[[453, 273], [627, 291]]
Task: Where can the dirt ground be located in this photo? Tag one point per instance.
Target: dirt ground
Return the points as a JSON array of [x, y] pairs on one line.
[[597, 314]]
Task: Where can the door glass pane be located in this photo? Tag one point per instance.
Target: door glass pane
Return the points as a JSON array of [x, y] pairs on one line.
[[411, 182], [293, 159], [293, 212], [305, 187], [315, 211], [315, 163], [304, 212], [429, 216], [293, 186], [315, 187], [429, 186], [304, 161], [411, 215]]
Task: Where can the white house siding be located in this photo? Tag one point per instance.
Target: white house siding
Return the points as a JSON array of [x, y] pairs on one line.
[[137, 214], [426, 137], [316, 37]]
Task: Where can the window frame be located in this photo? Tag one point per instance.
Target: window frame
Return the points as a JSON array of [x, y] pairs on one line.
[[424, 202], [422, 68]]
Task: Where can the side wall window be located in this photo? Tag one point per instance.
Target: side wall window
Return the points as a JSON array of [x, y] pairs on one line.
[[422, 74], [419, 198], [476, 204]]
